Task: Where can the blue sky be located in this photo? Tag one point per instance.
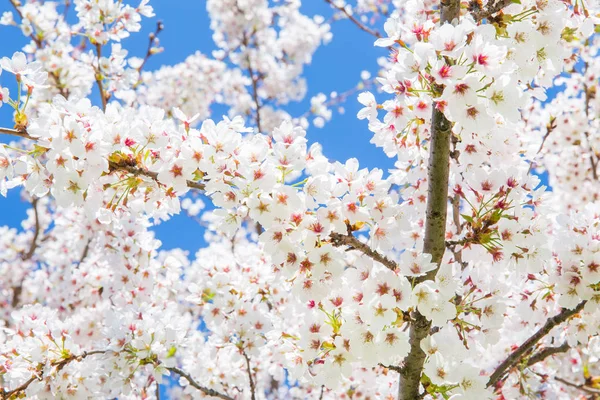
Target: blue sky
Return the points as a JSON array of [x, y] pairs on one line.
[[335, 67]]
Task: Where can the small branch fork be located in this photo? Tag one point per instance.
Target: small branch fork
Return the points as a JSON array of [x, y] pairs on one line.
[[354, 244], [356, 22], [547, 352], [152, 37], [515, 357], [113, 166]]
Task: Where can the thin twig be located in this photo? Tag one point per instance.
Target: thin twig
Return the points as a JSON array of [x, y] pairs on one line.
[[152, 37], [120, 167], [549, 128], [99, 77], [113, 166], [254, 78], [547, 352], [59, 366], [354, 20], [36, 232], [354, 244], [252, 386], [193, 383], [515, 357], [84, 255], [588, 97], [18, 290], [395, 368], [579, 386], [18, 133]]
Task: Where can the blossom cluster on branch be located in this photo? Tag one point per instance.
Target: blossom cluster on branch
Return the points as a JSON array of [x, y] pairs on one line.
[[456, 274]]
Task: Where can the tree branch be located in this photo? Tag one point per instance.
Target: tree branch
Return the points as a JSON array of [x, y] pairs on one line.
[[18, 290], [354, 244], [515, 357], [36, 232], [492, 7], [354, 20], [151, 37], [547, 352], [549, 128], [193, 383], [99, 77], [588, 97], [581, 386], [113, 166], [254, 78], [434, 242], [18, 133], [252, 386], [4, 395], [85, 252]]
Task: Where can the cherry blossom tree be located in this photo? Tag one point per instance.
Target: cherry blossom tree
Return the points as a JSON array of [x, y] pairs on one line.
[[455, 275]]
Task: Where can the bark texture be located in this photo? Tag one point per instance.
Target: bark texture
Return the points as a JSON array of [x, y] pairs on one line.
[[435, 227]]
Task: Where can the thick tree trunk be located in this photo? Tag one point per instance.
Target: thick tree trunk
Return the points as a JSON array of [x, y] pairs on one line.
[[435, 227]]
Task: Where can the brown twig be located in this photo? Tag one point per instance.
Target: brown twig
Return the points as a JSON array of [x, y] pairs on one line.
[[152, 37], [250, 378], [84, 255], [157, 391], [588, 97], [340, 98], [254, 78], [18, 290], [547, 352], [579, 386], [549, 128], [120, 167], [36, 232], [354, 244], [113, 166], [492, 7], [395, 368], [515, 357], [255, 95], [100, 77], [193, 383], [18, 133], [356, 22]]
